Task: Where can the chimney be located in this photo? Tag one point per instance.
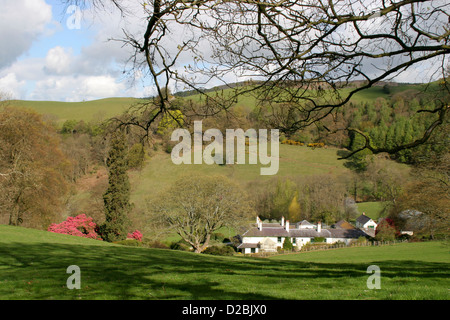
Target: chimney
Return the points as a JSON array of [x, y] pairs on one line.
[[319, 226], [287, 225], [282, 221], [259, 222]]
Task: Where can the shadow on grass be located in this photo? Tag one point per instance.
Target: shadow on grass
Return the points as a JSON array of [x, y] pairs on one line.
[[38, 271]]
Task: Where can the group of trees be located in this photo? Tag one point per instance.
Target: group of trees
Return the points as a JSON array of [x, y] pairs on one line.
[[394, 122], [321, 197], [34, 171], [37, 169], [423, 204]]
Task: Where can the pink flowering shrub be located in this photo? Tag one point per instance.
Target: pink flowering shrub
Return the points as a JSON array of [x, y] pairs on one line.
[[137, 235], [80, 226]]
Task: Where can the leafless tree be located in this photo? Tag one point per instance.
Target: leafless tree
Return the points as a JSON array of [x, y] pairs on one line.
[[197, 206], [307, 58]]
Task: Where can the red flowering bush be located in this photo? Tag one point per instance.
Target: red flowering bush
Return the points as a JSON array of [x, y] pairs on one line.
[[386, 230], [80, 226], [137, 235]]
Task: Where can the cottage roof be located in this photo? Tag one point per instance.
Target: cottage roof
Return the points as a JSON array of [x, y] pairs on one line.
[[303, 233], [369, 232], [266, 232], [248, 245], [363, 219], [343, 225], [271, 225], [347, 233]]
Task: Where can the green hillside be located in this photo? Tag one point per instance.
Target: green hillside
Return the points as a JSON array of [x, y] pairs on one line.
[[86, 110], [160, 171], [33, 266], [105, 108]]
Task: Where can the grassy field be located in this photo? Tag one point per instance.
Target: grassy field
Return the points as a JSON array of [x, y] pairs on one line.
[[87, 110], [160, 172], [33, 266], [371, 209]]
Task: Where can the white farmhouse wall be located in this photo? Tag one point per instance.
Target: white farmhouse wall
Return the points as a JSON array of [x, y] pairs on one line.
[[249, 250], [370, 224]]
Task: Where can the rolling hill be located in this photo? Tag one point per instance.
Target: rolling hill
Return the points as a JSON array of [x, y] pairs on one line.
[[109, 107], [86, 110]]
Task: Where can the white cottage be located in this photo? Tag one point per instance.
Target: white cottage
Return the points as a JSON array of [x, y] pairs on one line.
[[364, 222], [267, 237]]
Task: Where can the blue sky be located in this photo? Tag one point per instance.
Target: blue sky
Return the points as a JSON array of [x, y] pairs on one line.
[[62, 36], [44, 58]]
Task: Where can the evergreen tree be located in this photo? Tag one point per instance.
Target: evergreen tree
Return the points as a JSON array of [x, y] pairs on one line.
[[117, 196], [359, 161], [287, 244]]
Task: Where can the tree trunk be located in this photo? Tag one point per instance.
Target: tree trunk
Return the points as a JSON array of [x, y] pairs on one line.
[[199, 247]]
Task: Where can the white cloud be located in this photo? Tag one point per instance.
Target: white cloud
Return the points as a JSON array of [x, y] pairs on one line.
[[58, 61], [104, 86], [72, 88], [21, 23], [11, 86]]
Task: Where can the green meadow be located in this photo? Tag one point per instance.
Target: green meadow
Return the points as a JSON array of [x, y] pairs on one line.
[[87, 111], [109, 107], [160, 171], [33, 266], [371, 209]]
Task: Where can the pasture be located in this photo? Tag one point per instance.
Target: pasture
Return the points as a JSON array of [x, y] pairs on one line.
[[33, 266]]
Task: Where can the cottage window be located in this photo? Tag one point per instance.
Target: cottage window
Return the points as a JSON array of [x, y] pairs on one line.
[[294, 240], [279, 239]]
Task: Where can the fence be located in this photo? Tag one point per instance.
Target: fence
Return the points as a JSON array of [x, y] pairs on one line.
[[322, 247], [351, 244]]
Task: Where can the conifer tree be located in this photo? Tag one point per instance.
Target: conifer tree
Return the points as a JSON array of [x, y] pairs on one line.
[[287, 244], [117, 196]]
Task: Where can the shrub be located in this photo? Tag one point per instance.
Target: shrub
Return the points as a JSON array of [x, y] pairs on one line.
[[386, 230], [169, 148], [362, 240], [219, 250], [287, 244], [316, 145], [130, 243], [217, 236], [80, 226], [155, 245], [136, 235], [319, 239], [180, 245], [292, 142], [136, 156]]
